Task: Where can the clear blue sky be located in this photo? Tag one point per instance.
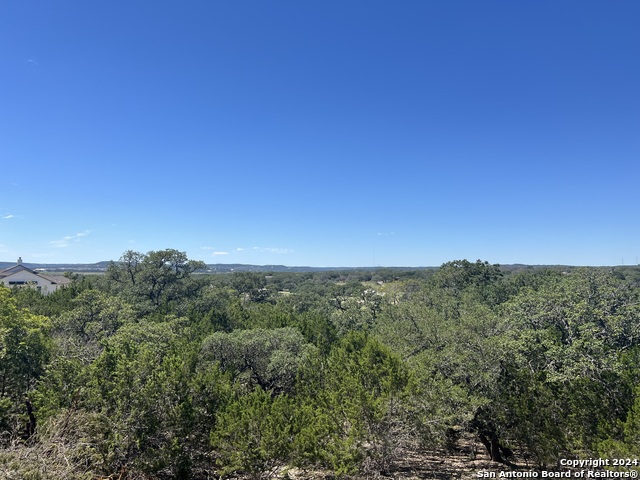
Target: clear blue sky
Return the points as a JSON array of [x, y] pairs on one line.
[[323, 133]]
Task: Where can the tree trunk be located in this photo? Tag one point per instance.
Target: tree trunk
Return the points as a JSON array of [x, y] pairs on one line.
[[30, 428]]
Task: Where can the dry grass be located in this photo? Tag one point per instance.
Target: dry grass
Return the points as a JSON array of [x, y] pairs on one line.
[[55, 459]]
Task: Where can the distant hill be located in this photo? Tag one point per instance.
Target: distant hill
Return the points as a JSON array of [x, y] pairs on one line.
[[238, 267], [101, 267], [62, 267]]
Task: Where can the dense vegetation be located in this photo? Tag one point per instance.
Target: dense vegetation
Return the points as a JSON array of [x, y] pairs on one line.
[[155, 371]]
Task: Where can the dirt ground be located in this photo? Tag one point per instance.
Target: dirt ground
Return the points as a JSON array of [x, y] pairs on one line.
[[462, 464], [469, 461]]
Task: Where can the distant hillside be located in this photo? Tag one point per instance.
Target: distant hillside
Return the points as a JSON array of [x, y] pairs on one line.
[[238, 267], [101, 267], [62, 267]]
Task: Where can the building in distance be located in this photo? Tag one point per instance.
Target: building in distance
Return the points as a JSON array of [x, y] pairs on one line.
[[20, 276]]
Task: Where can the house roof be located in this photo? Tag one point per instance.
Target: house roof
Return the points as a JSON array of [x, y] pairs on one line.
[[56, 279], [15, 269]]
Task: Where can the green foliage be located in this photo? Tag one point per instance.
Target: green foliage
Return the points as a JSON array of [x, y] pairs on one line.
[[462, 274], [94, 316], [155, 279], [55, 303], [246, 315], [253, 434], [625, 442], [153, 372], [145, 382], [259, 357], [353, 397], [250, 286], [24, 351], [356, 308], [317, 329], [566, 349]]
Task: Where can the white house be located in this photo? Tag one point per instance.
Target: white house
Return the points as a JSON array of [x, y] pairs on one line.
[[21, 276]]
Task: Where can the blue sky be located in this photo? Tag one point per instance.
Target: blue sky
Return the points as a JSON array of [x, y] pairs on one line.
[[321, 133]]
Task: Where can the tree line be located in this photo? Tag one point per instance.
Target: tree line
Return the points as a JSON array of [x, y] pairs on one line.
[[153, 370]]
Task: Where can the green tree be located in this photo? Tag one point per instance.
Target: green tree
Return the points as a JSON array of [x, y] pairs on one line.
[[154, 279], [253, 434], [461, 274], [259, 357], [95, 315], [79, 336], [349, 413], [24, 351], [480, 278], [250, 286], [454, 346], [160, 407], [626, 444], [565, 381]]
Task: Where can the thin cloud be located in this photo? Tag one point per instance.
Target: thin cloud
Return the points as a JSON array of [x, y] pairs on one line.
[[69, 239], [219, 253], [59, 243], [8, 216], [78, 235], [273, 250]]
